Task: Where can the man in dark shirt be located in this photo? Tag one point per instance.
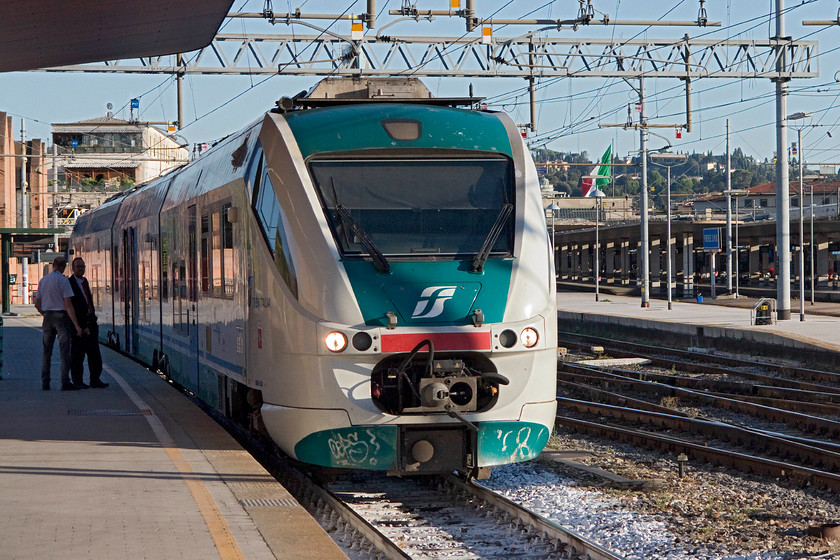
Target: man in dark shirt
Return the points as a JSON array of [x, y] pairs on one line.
[[88, 342]]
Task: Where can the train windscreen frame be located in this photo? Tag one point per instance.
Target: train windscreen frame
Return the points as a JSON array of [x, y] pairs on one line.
[[418, 208]]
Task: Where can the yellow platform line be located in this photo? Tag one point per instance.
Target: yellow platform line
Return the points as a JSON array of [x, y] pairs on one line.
[[213, 518]]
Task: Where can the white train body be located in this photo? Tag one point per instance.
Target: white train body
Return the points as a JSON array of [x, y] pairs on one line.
[[371, 282]]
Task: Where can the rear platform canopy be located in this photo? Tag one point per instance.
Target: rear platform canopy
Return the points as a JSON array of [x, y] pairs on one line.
[[43, 33]]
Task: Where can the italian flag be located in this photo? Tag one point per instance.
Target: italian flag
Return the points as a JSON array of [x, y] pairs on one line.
[[599, 177]]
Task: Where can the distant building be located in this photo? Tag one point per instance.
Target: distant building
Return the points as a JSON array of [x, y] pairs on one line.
[[114, 151], [23, 192], [566, 210], [760, 203], [96, 157], [546, 166]]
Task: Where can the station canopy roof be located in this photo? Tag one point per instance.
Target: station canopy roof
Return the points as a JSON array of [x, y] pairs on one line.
[[45, 33]]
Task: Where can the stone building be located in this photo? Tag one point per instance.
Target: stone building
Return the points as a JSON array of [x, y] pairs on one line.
[[110, 150], [14, 199]]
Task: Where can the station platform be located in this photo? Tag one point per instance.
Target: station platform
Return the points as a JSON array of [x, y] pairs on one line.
[[135, 470], [723, 323]]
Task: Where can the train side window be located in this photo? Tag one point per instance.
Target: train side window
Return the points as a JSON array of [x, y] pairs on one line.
[[96, 292], [164, 267], [254, 170], [205, 253], [272, 220], [179, 296], [143, 288], [116, 272], [227, 252], [216, 252]]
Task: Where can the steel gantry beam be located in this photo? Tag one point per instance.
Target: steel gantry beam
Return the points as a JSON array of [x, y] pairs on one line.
[[522, 57]]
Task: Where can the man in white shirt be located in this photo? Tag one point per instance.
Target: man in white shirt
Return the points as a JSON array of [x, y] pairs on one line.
[[53, 300]]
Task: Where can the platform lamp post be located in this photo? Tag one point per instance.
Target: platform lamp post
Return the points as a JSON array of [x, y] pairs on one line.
[[599, 195], [811, 252], [795, 117], [551, 210], [671, 159], [730, 194]]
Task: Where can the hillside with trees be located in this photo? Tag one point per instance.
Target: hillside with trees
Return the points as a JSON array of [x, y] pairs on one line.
[[700, 174]]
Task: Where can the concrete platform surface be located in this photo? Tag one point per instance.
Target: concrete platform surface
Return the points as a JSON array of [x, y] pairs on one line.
[[134, 470], [721, 318]]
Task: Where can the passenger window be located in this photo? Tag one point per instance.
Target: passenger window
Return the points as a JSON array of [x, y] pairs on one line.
[[254, 170], [271, 218], [227, 252], [217, 252], [205, 253], [164, 267], [179, 296], [216, 258]]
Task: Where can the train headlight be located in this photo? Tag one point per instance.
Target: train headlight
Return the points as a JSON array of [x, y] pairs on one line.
[[529, 337], [335, 341]]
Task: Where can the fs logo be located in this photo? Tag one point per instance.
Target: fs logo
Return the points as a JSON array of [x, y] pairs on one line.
[[431, 301]]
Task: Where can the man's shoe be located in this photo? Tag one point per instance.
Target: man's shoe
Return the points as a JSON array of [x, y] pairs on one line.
[[68, 387], [98, 384], [81, 385], [45, 386]]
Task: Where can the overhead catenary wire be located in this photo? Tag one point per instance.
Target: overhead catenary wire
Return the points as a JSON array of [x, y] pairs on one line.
[[601, 100]]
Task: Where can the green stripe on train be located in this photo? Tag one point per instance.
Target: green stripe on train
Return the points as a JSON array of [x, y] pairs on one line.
[[500, 443], [375, 447], [412, 290], [352, 128], [363, 447]]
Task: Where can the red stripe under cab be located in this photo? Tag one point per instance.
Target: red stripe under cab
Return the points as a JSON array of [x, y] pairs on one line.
[[442, 341]]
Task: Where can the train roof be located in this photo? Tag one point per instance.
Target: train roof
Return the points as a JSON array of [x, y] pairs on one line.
[[101, 218], [331, 92], [144, 202], [307, 103], [388, 126]]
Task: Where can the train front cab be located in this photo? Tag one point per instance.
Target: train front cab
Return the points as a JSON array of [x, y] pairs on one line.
[[336, 422]]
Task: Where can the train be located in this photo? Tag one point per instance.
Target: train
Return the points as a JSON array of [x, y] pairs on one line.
[[363, 274]]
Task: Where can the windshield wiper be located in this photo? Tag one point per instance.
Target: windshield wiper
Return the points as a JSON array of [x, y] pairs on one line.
[[492, 236], [379, 260]]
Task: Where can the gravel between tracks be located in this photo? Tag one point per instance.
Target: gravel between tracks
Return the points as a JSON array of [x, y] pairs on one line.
[[710, 514]]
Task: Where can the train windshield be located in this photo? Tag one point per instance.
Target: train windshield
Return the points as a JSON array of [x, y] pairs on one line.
[[418, 207]]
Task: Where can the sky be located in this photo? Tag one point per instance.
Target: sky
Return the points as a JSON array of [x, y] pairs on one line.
[[569, 109]]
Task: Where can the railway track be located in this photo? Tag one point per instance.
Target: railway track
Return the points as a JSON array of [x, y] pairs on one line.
[[796, 413], [615, 403], [705, 362], [389, 518], [799, 454], [434, 517]]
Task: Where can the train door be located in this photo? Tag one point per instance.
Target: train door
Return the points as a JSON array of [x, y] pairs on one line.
[[130, 289], [192, 287], [116, 289]]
